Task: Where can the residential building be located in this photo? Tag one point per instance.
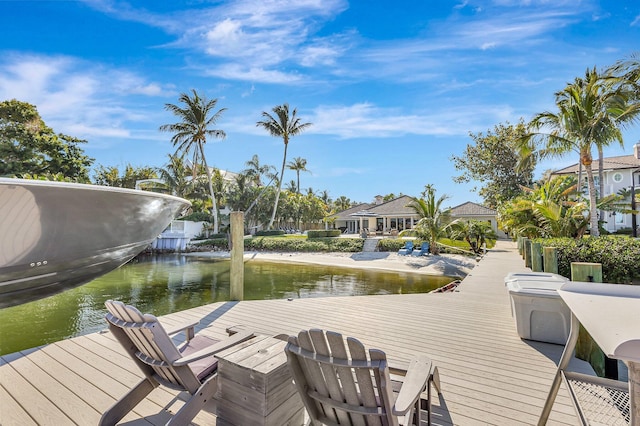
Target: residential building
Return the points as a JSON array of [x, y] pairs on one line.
[[396, 215], [620, 173]]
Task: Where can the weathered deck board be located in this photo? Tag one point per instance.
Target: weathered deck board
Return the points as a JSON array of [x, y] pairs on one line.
[[489, 375]]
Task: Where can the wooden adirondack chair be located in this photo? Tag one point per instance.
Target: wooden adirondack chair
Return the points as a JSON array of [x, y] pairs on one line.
[[345, 387], [188, 367]]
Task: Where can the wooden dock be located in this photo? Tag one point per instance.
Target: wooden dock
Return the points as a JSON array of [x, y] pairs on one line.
[[489, 375]]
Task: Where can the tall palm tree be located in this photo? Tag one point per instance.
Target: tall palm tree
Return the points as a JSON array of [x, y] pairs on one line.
[[434, 220], [590, 113], [284, 125], [191, 132], [298, 164]]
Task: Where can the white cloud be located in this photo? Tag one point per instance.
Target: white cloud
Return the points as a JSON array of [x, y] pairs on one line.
[[635, 22], [75, 97], [254, 74], [365, 120]]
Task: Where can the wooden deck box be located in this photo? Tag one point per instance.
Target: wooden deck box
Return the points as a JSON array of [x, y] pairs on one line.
[[255, 387]]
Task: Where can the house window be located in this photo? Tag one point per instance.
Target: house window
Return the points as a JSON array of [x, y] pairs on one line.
[[617, 177]]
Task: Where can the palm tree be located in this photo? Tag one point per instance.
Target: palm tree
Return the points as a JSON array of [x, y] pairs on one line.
[[474, 232], [291, 186], [342, 203], [255, 170], [552, 209], [434, 221], [191, 132], [298, 164], [174, 177], [590, 113], [283, 125]]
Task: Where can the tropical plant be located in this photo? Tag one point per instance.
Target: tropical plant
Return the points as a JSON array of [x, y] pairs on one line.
[[291, 186], [475, 232], [434, 220], [285, 125], [255, 171], [191, 132], [173, 179], [552, 209], [342, 203], [298, 164], [110, 176], [590, 113]]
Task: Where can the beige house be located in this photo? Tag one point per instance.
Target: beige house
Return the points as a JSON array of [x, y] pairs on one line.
[[473, 211], [621, 172], [389, 217], [380, 217]]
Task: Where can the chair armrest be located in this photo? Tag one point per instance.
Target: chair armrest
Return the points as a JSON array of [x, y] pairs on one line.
[[215, 348], [413, 385], [187, 327]]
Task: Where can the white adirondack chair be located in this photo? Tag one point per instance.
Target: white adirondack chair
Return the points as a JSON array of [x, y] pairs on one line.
[[341, 385], [189, 367]]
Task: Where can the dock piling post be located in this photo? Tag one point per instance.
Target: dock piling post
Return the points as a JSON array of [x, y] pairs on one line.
[[237, 256]]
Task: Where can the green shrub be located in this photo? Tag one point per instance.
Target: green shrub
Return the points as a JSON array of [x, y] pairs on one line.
[[618, 255], [349, 245], [323, 233], [269, 232], [391, 244], [217, 243], [198, 217]]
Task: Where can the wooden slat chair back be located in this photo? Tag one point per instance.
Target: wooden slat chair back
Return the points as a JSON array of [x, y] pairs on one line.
[[189, 367], [348, 385], [154, 349]]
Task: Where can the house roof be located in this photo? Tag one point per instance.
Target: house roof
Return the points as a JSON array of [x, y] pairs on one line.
[[400, 207], [610, 163], [346, 214], [397, 206], [472, 209]]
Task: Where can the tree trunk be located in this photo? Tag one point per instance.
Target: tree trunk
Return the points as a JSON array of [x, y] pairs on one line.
[[214, 207], [601, 177], [275, 205], [593, 213]]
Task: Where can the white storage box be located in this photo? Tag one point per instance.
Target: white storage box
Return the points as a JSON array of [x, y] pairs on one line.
[[535, 276], [539, 312]]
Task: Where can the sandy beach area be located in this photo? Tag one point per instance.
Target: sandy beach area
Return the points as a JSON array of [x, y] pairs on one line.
[[446, 264]]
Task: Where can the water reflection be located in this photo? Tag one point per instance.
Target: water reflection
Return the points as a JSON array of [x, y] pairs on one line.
[[170, 283]]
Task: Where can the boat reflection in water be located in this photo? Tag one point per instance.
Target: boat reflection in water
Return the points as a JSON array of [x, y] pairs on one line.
[[58, 235]]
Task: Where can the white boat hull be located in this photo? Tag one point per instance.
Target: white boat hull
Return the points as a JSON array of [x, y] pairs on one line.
[[56, 235]]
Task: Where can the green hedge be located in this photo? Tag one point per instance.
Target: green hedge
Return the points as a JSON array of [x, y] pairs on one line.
[[348, 245], [391, 244], [323, 233], [618, 255], [218, 243], [269, 232], [198, 217]]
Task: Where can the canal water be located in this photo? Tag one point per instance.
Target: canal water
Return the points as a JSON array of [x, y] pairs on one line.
[[169, 283]]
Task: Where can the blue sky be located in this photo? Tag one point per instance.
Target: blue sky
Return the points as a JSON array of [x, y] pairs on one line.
[[392, 88]]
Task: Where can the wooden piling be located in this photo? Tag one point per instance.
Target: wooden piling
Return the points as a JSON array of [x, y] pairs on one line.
[[536, 257], [550, 260], [587, 272], [237, 256], [527, 252]]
